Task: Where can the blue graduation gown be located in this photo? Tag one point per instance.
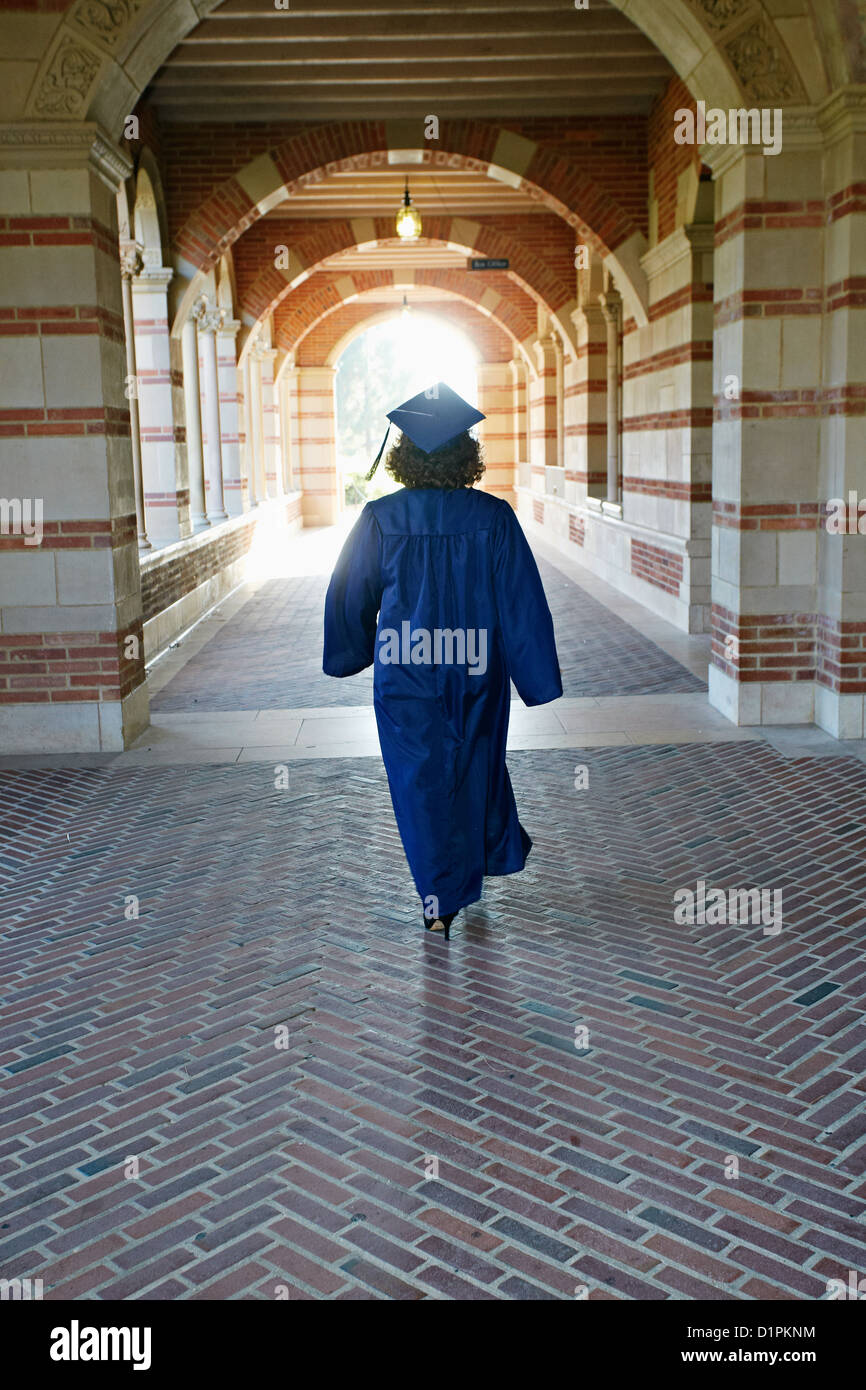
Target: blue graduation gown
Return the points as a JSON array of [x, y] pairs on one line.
[[431, 558]]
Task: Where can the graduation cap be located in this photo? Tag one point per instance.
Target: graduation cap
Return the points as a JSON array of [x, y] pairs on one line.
[[431, 419]]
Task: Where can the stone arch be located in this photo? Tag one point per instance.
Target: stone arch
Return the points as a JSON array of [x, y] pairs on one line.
[[100, 57], [543, 174], [146, 220], [272, 286], [369, 321], [732, 52], [226, 291], [518, 347]]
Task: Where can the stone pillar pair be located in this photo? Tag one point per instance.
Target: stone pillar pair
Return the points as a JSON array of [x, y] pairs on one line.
[[71, 650], [789, 431], [497, 431], [316, 437]]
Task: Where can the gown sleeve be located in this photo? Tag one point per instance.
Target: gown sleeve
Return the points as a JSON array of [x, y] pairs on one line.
[[352, 601], [527, 627]]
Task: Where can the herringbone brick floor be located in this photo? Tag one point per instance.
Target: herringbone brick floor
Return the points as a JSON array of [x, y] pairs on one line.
[[273, 1079], [269, 655]]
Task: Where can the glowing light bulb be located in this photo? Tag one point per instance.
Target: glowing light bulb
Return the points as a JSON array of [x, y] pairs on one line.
[[408, 220]]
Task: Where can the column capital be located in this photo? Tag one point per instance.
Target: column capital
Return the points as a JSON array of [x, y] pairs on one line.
[[260, 352], [230, 327], [610, 304], [63, 145], [587, 315], [153, 276], [543, 348], [329, 373], [208, 315], [843, 113], [131, 259], [696, 239]]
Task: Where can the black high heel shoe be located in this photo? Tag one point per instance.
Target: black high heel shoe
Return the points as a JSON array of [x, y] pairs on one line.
[[440, 924]]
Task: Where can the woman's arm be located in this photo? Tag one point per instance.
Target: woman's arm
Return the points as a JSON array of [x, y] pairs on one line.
[[524, 617], [352, 601]]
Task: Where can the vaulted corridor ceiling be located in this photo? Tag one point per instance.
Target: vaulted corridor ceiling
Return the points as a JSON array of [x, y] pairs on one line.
[[331, 59]]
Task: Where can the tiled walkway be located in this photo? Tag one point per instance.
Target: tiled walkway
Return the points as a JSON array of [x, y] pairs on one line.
[[273, 648], [270, 1078]]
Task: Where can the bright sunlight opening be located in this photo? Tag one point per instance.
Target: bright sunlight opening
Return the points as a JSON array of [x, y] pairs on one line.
[[378, 371]]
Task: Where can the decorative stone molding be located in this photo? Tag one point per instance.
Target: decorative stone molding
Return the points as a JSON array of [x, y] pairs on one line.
[[718, 14], [131, 259], [93, 41], [63, 145], [154, 276], [209, 316], [67, 80], [105, 20], [759, 60], [842, 114], [694, 240]]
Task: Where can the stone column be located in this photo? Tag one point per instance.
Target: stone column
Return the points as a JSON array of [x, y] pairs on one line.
[[769, 335], [496, 432], [560, 400], [611, 308], [586, 407], [840, 690], [270, 419], [131, 263], [257, 431], [520, 420], [248, 460], [227, 369], [161, 449], [192, 408], [667, 429], [317, 453], [288, 388], [543, 412], [71, 651], [209, 318]]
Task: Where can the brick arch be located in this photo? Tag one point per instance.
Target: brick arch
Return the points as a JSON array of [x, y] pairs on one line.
[[369, 299], [543, 174], [329, 338], [528, 271]]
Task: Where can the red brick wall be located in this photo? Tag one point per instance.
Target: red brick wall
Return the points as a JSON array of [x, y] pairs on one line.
[[169, 577], [301, 312], [610, 153], [667, 159], [657, 566], [551, 239]]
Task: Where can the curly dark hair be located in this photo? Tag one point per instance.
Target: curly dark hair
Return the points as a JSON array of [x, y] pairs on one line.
[[459, 463]]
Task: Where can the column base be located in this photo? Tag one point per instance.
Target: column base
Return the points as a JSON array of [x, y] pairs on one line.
[[761, 702], [843, 716], [86, 726]]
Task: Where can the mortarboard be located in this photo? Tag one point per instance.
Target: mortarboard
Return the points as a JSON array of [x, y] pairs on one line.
[[431, 419]]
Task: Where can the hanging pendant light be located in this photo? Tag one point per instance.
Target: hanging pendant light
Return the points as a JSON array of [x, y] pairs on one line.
[[408, 221]]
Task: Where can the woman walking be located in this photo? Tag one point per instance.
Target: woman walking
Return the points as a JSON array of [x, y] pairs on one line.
[[436, 586]]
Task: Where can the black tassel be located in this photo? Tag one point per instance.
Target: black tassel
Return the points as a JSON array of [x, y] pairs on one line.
[[380, 453]]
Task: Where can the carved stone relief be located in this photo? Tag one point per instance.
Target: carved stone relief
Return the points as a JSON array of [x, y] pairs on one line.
[[67, 81], [762, 66], [105, 20]]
